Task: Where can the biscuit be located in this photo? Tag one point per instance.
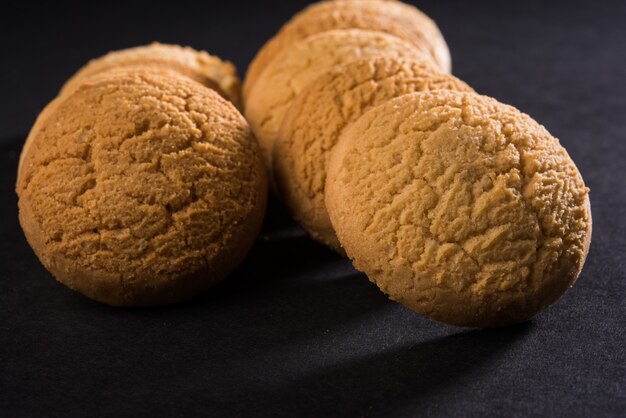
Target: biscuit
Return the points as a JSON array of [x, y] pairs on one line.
[[319, 114], [140, 188], [392, 17], [207, 69], [459, 207], [302, 63]]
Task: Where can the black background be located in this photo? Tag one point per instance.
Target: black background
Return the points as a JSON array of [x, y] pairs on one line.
[[296, 331]]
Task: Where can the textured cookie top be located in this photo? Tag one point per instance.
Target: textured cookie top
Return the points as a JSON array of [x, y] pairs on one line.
[[459, 207], [141, 178], [391, 17], [207, 69], [302, 63], [321, 112]]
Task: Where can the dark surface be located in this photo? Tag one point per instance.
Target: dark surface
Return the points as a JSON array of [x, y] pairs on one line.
[[296, 331]]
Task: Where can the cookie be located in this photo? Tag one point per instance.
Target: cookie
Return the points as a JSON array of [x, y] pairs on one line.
[[459, 207], [207, 69], [141, 188], [321, 112], [302, 63], [392, 17]]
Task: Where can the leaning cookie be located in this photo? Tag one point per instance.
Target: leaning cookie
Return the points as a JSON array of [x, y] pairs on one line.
[[207, 69], [392, 17], [321, 112], [459, 207], [141, 188], [302, 63]]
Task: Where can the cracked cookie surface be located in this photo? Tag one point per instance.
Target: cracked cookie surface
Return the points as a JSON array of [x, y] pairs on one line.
[[459, 207], [206, 69], [321, 112], [303, 62], [392, 17], [141, 188]]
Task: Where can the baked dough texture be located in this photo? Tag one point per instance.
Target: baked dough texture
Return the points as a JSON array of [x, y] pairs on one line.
[[392, 17], [302, 63], [165, 71], [459, 207], [208, 70], [141, 188], [321, 112]]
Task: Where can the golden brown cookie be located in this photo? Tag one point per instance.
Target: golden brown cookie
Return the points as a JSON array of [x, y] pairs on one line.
[[302, 63], [207, 69], [321, 112], [459, 207], [392, 17], [140, 188]]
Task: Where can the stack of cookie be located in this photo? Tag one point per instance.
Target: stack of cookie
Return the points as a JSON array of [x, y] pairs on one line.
[[141, 183], [455, 205]]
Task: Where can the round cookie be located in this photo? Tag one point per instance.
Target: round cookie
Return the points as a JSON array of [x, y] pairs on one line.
[[207, 69], [320, 113], [459, 207], [302, 63], [140, 188], [392, 17]]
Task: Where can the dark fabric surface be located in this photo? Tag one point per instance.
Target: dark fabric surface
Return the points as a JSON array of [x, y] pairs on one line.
[[296, 331]]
